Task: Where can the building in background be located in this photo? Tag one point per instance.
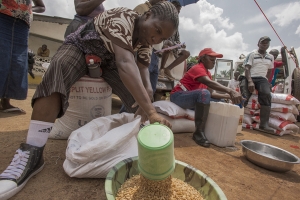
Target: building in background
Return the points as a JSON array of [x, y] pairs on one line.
[[45, 30]]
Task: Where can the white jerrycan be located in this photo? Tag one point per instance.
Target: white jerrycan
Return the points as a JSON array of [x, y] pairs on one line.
[[222, 123]]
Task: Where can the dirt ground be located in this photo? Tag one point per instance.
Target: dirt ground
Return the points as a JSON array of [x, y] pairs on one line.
[[237, 177]]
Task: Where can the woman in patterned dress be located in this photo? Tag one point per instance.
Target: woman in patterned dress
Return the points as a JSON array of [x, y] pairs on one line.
[[114, 36], [14, 30]]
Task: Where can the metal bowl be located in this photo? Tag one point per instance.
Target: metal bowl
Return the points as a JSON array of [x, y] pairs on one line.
[[268, 156]]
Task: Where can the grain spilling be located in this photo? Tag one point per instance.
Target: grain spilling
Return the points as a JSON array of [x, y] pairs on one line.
[[138, 188]]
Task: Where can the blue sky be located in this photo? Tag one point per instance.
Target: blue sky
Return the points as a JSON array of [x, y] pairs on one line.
[[231, 27]]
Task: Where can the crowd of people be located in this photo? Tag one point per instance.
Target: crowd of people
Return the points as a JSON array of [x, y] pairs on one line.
[[123, 39]]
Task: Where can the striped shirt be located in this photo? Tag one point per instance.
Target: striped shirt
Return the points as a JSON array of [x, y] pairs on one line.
[[259, 64]]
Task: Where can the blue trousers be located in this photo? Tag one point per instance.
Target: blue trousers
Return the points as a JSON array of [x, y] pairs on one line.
[[188, 99], [13, 57], [153, 70]]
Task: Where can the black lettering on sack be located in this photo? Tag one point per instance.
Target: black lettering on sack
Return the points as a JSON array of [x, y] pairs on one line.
[[80, 123]]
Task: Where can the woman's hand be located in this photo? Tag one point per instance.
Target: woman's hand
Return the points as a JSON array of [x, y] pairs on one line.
[[39, 6], [235, 97], [154, 117], [167, 44]]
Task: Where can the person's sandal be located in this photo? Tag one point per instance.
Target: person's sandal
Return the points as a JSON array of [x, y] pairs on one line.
[[161, 74]]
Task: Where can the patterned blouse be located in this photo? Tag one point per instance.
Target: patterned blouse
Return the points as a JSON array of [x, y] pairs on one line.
[[116, 26], [20, 9], [175, 38]]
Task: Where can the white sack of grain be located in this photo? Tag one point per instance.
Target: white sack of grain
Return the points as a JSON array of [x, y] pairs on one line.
[[99, 145]]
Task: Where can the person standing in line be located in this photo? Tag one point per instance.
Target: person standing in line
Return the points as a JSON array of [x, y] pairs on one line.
[[14, 30], [85, 11], [258, 67]]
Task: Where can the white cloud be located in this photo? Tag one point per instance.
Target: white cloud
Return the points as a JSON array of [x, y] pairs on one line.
[[259, 30], [298, 31], [288, 14], [283, 14], [208, 29], [255, 19], [211, 13]]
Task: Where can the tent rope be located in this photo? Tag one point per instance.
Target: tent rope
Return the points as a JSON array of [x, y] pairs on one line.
[[275, 32]]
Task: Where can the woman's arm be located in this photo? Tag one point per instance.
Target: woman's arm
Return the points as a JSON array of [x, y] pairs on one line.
[[144, 72], [130, 76], [216, 95], [86, 7], [234, 96], [39, 6]]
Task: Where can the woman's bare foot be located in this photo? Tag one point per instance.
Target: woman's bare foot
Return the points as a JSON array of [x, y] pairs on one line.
[[168, 74]]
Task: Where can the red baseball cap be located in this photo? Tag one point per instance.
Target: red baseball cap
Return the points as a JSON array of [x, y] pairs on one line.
[[210, 52]]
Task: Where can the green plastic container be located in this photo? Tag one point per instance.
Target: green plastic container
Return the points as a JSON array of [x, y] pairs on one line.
[[156, 151]]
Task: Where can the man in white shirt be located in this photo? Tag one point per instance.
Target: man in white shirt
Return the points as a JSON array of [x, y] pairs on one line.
[[258, 67]]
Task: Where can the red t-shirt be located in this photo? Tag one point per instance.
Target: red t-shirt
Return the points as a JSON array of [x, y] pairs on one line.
[[276, 65], [189, 79]]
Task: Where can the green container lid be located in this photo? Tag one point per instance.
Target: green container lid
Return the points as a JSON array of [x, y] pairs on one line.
[[156, 151], [155, 136]]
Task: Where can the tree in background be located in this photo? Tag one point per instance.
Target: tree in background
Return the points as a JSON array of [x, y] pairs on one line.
[[224, 73], [240, 68], [192, 59]]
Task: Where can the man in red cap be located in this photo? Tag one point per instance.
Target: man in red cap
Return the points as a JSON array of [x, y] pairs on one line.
[[258, 67], [195, 90]]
